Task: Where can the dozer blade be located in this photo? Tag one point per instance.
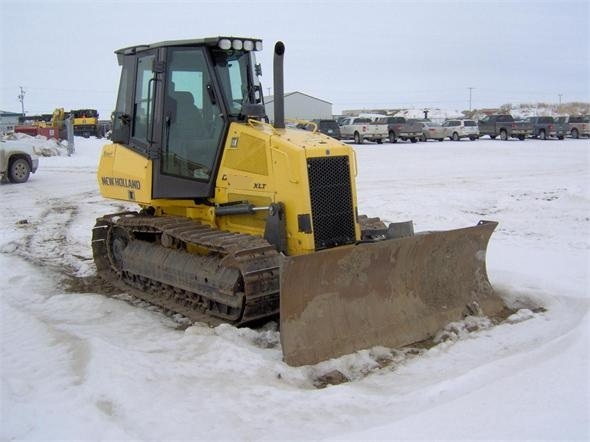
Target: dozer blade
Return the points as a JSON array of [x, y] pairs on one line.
[[391, 293]]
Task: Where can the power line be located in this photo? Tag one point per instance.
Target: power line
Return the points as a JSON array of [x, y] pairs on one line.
[[35, 88]]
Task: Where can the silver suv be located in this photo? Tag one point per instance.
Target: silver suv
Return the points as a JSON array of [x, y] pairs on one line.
[[457, 129]]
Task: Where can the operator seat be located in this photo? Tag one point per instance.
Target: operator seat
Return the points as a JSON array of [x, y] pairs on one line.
[[186, 119], [186, 132]]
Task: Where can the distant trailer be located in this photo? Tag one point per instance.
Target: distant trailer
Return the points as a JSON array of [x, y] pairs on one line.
[[47, 132], [29, 130]]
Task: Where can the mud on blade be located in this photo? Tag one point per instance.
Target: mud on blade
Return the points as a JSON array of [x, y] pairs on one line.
[[391, 293]]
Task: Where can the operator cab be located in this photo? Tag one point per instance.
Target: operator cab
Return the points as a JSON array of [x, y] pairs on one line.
[[175, 104]]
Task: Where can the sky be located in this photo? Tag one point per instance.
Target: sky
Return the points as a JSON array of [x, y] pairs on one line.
[[354, 54]]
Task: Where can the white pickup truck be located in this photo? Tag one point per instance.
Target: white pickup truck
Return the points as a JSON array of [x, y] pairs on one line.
[[360, 129], [17, 161]]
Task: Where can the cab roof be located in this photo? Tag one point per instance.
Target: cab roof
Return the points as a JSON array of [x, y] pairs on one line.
[[208, 41]]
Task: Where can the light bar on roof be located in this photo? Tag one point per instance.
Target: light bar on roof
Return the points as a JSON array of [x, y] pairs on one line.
[[239, 44]]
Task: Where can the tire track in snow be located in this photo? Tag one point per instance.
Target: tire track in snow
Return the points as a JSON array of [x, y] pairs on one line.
[[49, 242]]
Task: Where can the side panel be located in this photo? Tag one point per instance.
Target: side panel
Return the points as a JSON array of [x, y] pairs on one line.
[[124, 174], [245, 174]]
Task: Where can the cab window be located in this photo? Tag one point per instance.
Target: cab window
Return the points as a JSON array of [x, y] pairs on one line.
[[193, 123], [143, 98], [120, 116]]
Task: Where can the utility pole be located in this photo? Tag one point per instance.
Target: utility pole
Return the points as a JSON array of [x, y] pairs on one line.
[[470, 89], [560, 99], [21, 98]]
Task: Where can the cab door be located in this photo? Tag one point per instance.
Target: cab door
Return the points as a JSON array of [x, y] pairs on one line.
[[192, 127]]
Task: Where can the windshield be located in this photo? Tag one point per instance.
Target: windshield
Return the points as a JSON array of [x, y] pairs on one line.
[[235, 70]]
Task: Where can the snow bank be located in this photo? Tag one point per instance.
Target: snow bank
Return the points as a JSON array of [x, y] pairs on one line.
[[42, 146]]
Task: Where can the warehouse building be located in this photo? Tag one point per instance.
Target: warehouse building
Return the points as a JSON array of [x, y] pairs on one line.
[[300, 106]]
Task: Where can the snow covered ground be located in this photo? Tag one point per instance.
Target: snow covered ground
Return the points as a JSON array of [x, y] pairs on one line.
[[76, 364]]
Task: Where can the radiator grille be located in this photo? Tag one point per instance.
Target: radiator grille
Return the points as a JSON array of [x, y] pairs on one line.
[[331, 201]]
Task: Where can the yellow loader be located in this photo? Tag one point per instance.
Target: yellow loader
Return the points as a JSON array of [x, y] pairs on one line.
[[240, 220]]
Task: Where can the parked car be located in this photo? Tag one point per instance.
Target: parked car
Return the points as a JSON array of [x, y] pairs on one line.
[[399, 128], [17, 161], [579, 126], [461, 128], [505, 126], [432, 131], [543, 127], [327, 127], [562, 127], [360, 129]]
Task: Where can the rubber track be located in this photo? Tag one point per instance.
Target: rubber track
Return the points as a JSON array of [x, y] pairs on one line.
[[258, 263]]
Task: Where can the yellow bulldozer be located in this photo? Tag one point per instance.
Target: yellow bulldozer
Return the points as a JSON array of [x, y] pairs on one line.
[[240, 220]]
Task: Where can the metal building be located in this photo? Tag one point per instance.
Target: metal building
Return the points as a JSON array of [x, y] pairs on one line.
[[300, 106], [8, 121]]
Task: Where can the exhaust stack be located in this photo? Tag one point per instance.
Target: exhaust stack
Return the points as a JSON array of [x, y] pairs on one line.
[[279, 86]]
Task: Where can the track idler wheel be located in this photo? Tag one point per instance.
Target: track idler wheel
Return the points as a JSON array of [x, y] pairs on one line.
[[117, 240]]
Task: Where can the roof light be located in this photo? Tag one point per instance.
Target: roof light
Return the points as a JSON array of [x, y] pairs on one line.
[[259, 45], [248, 45], [224, 44], [237, 45]]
